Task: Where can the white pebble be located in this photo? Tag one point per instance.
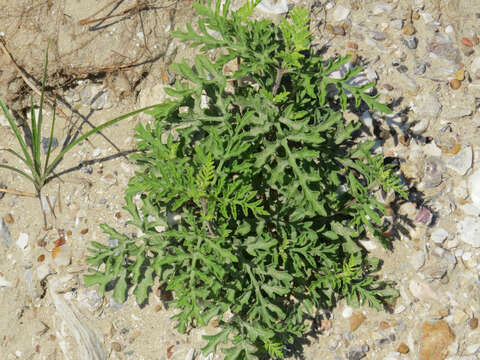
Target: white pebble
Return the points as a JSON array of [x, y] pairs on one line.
[[472, 349], [22, 241], [347, 312], [449, 29], [340, 13], [42, 271], [4, 282], [439, 236], [329, 5]]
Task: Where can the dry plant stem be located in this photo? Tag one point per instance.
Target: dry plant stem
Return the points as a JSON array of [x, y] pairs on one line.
[[133, 9], [280, 72], [27, 80], [17, 192]]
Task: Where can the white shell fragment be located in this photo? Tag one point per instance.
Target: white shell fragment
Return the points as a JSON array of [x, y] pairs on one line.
[[273, 7], [469, 231], [340, 13], [4, 282], [439, 236], [89, 346], [22, 241], [474, 188], [461, 162]]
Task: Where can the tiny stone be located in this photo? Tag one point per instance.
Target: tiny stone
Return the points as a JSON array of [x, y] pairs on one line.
[[402, 69], [383, 325], [356, 353], [117, 347], [87, 169], [356, 320], [340, 13], [83, 231], [460, 75], [396, 24], [424, 216], [22, 241], [455, 84], [9, 219], [418, 260], [411, 42], [439, 236], [45, 142], [403, 348], [467, 42], [378, 36], [408, 29], [338, 30], [473, 323], [420, 69], [462, 161]]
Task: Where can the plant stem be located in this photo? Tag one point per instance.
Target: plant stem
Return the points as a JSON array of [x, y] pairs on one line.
[[39, 195], [280, 72]]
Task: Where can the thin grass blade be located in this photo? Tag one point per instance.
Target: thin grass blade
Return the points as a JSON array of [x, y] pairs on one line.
[[50, 140], [91, 132], [37, 152], [19, 137], [23, 173], [16, 154], [35, 138]]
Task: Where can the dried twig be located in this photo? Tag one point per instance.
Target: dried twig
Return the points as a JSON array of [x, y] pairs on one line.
[[130, 11], [17, 192], [28, 81]]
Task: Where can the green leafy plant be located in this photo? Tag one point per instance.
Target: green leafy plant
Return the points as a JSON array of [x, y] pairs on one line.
[[251, 207], [41, 172]]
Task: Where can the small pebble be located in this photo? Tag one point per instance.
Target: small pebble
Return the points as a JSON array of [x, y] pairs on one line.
[[460, 75], [408, 29], [83, 231], [402, 69], [9, 219], [45, 142], [338, 30], [356, 320], [411, 42], [439, 236], [117, 347], [403, 348], [467, 42], [455, 84], [383, 325], [420, 69], [473, 323], [475, 40]]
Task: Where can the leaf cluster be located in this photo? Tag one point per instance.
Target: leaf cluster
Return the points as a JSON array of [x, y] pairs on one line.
[[253, 193]]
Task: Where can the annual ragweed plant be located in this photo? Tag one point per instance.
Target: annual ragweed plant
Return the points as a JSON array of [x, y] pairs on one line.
[[250, 193]]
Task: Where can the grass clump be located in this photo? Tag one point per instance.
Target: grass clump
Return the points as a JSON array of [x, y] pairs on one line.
[[40, 168], [251, 208]]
